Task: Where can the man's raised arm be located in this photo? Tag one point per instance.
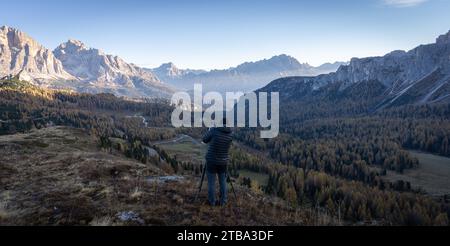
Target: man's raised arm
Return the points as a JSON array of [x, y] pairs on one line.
[[207, 137]]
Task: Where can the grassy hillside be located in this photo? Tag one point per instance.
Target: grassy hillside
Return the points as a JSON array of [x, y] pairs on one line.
[[432, 174], [61, 176]]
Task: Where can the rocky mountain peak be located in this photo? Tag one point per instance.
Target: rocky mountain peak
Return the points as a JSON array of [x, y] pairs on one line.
[[22, 55], [420, 75], [168, 66], [6, 29], [75, 43], [276, 63], [72, 46], [284, 58], [103, 72], [74, 65], [444, 39], [169, 69], [17, 39]]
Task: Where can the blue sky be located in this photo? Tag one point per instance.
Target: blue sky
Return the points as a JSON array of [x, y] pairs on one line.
[[219, 34]]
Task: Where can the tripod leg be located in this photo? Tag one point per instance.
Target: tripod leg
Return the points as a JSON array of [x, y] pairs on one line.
[[231, 184], [201, 183]]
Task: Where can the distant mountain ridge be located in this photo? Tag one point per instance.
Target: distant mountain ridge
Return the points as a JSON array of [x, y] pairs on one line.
[[421, 75], [245, 77], [169, 70], [74, 66]]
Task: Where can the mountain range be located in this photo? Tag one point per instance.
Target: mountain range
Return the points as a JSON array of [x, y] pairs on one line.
[[73, 65], [99, 72], [246, 77], [418, 76]]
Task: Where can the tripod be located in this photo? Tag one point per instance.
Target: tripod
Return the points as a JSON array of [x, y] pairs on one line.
[[203, 178]]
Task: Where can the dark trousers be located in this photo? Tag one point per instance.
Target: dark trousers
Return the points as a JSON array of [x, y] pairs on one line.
[[213, 171]]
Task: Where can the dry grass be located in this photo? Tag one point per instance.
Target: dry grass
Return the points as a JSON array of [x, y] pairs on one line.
[[103, 221], [431, 175], [4, 215], [62, 182]]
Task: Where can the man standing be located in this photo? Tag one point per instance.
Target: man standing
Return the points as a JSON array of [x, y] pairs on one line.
[[219, 139]]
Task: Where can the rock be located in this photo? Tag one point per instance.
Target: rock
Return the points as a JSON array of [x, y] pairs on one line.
[[128, 216], [443, 39], [165, 179], [21, 55], [178, 199], [152, 152]]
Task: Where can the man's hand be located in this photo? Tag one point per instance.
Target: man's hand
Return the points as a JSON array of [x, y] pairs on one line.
[[207, 138]]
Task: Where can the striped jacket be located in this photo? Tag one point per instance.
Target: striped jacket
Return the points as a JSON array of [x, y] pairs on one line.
[[219, 140]]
